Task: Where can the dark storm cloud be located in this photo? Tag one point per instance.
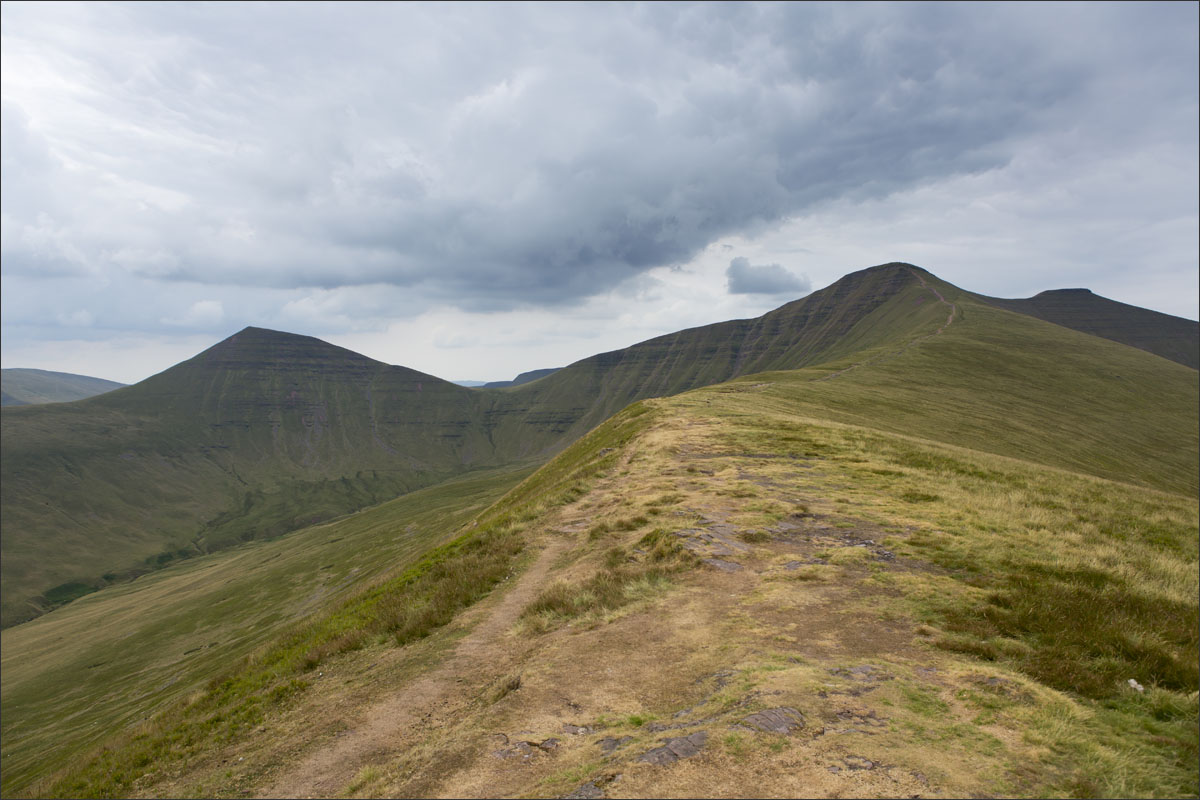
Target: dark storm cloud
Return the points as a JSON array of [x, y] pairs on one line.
[[745, 278], [492, 156]]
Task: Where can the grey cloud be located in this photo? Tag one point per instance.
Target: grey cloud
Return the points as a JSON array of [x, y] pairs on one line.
[[492, 157], [746, 278]]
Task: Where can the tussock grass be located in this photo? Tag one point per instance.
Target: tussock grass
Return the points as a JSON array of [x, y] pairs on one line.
[[625, 578], [504, 687]]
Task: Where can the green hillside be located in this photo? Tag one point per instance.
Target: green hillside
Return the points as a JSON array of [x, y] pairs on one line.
[[136, 647], [261, 434], [267, 432], [1171, 337], [863, 309], [945, 551], [21, 387]]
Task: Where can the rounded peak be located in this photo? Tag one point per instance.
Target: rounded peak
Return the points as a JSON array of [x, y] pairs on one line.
[[252, 345], [893, 273], [892, 265]]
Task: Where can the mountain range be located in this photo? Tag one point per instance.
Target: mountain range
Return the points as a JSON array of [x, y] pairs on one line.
[[882, 540], [266, 432]]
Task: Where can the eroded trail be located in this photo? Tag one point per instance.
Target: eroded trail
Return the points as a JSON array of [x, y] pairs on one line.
[[388, 723]]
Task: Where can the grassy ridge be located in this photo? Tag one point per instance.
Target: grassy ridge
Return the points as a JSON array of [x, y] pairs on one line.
[[268, 432], [110, 659], [34, 386], [1078, 582], [410, 604], [1173, 338], [1013, 385]]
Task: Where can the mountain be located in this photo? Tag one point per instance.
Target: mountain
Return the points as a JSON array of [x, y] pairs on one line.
[[524, 377], [953, 554], [19, 387], [1171, 337], [268, 432], [260, 434]]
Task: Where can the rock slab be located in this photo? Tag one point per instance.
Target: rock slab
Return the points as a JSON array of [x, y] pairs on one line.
[[783, 720], [676, 748]]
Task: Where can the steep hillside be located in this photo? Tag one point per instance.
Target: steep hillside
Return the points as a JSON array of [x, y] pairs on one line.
[[524, 377], [21, 387], [260, 434], [136, 647], [1171, 337], [865, 308]]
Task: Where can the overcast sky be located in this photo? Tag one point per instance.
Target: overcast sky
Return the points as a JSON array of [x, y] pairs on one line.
[[480, 189]]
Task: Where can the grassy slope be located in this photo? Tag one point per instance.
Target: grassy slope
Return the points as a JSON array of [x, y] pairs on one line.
[[114, 657], [420, 596], [1009, 384], [855, 312], [1005, 535], [36, 386], [1171, 337], [261, 434]]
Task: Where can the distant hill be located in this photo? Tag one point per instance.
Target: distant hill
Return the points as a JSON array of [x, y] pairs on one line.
[[20, 387], [267, 432], [1175, 338], [260, 434], [524, 377]]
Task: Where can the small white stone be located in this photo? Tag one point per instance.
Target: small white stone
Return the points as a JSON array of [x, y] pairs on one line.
[[1133, 684]]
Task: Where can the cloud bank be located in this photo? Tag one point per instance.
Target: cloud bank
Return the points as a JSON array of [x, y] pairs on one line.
[[366, 162], [742, 277]]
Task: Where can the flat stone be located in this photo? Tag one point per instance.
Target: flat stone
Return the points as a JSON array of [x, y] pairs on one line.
[[576, 730], [862, 672], [549, 744], [776, 720], [610, 743], [676, 748], [724, 566]]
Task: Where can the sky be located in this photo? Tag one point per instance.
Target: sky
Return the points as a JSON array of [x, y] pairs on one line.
[[476, 190]]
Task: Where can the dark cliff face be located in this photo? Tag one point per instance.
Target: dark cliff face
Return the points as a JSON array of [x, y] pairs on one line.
[[1170, 337]]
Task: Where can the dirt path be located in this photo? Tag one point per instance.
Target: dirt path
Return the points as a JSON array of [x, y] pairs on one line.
[[326, 772], [943, 301], [894, 353]]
